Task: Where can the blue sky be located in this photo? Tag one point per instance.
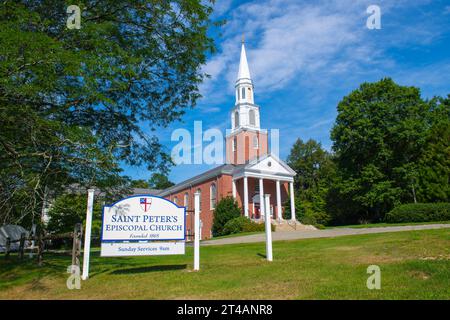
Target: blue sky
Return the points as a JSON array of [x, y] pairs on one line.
[[304, 56]]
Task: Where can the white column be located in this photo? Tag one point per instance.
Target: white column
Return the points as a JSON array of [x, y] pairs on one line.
[[234, 189], [246, 196], [279, 211], [196, 231], [261, 198], [87, 235], [268, 227], [291, 191]]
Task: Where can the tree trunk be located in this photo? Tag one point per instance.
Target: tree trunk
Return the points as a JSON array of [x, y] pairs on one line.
[[414, 193]]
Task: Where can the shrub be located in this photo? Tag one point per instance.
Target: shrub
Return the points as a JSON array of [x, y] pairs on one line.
[[243, 224], [307, 212], [234, 225], [226, 210], [419, 212]]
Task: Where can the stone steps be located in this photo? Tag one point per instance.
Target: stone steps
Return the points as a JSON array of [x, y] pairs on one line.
[[287, 226]]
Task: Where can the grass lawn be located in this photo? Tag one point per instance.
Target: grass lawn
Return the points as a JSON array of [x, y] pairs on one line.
[[414, 265], [382, 224]]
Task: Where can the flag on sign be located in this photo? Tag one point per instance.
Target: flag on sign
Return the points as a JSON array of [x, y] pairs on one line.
[[145, 203]]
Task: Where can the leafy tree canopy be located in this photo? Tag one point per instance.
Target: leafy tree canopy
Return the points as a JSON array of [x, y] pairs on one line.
[[379, 138], [315, 170], [139, 184], [159, 181], [75, 103]]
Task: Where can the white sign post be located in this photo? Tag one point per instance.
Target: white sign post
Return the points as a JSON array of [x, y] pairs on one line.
[[87, 234], [197, 231], [268, 234]]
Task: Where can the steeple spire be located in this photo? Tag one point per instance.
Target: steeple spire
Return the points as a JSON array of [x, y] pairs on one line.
[[244, 72]]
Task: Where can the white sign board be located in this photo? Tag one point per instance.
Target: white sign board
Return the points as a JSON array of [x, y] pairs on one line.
[[132, 222], [114, 249], [140, 218]]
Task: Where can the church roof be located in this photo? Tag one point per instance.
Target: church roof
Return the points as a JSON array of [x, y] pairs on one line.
[[230, 169], [267, 166], [223, 169]]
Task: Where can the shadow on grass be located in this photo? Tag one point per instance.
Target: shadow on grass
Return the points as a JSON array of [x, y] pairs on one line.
[[261, 255], [150, 269]]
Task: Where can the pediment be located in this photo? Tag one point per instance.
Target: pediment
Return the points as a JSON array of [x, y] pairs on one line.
[[270, 164]]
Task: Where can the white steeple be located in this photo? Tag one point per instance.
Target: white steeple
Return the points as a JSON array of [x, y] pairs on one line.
[[244, 72], [245, 114], [244, 84]]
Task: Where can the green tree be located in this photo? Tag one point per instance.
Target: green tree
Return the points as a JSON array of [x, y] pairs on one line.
[[75, 103], [226, 210], [433, 173], [315, 170], [70, 209], [159, 181], [139, 184], [379, 137]]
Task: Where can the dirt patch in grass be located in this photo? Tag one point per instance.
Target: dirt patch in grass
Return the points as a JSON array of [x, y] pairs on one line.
[[419, 275]]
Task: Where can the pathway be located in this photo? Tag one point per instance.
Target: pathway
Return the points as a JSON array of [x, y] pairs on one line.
[[328, 233]]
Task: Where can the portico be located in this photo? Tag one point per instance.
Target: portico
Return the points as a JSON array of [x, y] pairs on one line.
[[263, 183]]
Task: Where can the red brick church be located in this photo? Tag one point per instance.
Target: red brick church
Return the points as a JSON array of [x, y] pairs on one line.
[[257, 179]]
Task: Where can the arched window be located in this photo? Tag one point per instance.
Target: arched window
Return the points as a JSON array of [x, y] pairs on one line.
[[200, 199], [186, 200], [252, 117], [236, 119], [213, 195], [255, 142], [243, 93]]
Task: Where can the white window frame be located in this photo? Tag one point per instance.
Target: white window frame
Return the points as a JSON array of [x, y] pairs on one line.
[[212, 204], [255, 145], [186, 200], [236, 119], [200, 199], [250, 118]]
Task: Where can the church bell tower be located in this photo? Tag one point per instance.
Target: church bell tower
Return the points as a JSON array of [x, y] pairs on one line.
[[246, 140]]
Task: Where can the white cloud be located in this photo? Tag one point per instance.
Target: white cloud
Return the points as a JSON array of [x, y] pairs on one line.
[[311, 44], [221, 7], [286, 39]]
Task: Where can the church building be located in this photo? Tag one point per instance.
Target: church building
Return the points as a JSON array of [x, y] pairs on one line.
[[255, 178]]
